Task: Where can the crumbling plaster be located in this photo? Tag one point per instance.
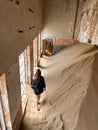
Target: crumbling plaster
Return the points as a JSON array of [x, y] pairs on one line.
[[20, 22], [89, 23]]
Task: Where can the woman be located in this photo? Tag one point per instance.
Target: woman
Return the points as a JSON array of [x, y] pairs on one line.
[[38, 85]]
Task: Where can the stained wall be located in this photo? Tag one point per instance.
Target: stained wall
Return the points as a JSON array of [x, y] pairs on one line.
[[89, 23], [59, 19], [20, 22]]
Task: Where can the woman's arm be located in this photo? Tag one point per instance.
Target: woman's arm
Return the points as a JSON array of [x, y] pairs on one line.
[[44, 84]]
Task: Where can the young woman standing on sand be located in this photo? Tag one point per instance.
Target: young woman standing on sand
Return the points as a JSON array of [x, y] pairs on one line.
[[38, 85]]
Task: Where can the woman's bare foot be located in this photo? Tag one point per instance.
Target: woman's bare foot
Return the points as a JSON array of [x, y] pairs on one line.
[[38, 108]]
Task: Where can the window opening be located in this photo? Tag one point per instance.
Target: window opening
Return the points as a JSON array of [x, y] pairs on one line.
[[22, 71]]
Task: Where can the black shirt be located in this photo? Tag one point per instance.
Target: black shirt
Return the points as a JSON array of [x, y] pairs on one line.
[[38, 85]]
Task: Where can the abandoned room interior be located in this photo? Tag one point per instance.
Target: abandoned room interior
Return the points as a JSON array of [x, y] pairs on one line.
[[59, 37]]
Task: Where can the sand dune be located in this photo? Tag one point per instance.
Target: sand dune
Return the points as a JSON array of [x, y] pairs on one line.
[[71, 99]]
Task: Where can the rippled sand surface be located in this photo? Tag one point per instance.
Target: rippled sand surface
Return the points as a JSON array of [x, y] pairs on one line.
[[71, 99]]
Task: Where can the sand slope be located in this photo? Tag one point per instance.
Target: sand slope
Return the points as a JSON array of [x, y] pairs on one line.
[[70, 102]]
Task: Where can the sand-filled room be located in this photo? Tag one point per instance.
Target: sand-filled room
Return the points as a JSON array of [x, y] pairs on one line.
[[48, 64]]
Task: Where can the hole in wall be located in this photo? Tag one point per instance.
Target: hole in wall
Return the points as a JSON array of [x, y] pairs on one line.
[[20, 31], [17, 2], [31, 10], [31, 27]]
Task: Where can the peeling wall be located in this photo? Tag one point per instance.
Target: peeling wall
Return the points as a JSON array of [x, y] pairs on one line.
[[59, 17], [14, 95], [20, 22], [89, 23], [5, 102], [27, 65], [2, 121]]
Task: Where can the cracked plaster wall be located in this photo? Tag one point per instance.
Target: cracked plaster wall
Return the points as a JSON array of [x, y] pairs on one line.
[[89, 23]]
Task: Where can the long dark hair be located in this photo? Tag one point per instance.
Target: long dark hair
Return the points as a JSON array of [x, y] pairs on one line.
[[38, 74]]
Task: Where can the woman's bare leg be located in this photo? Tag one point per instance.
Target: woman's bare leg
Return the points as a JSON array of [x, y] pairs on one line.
[[38, 101]]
